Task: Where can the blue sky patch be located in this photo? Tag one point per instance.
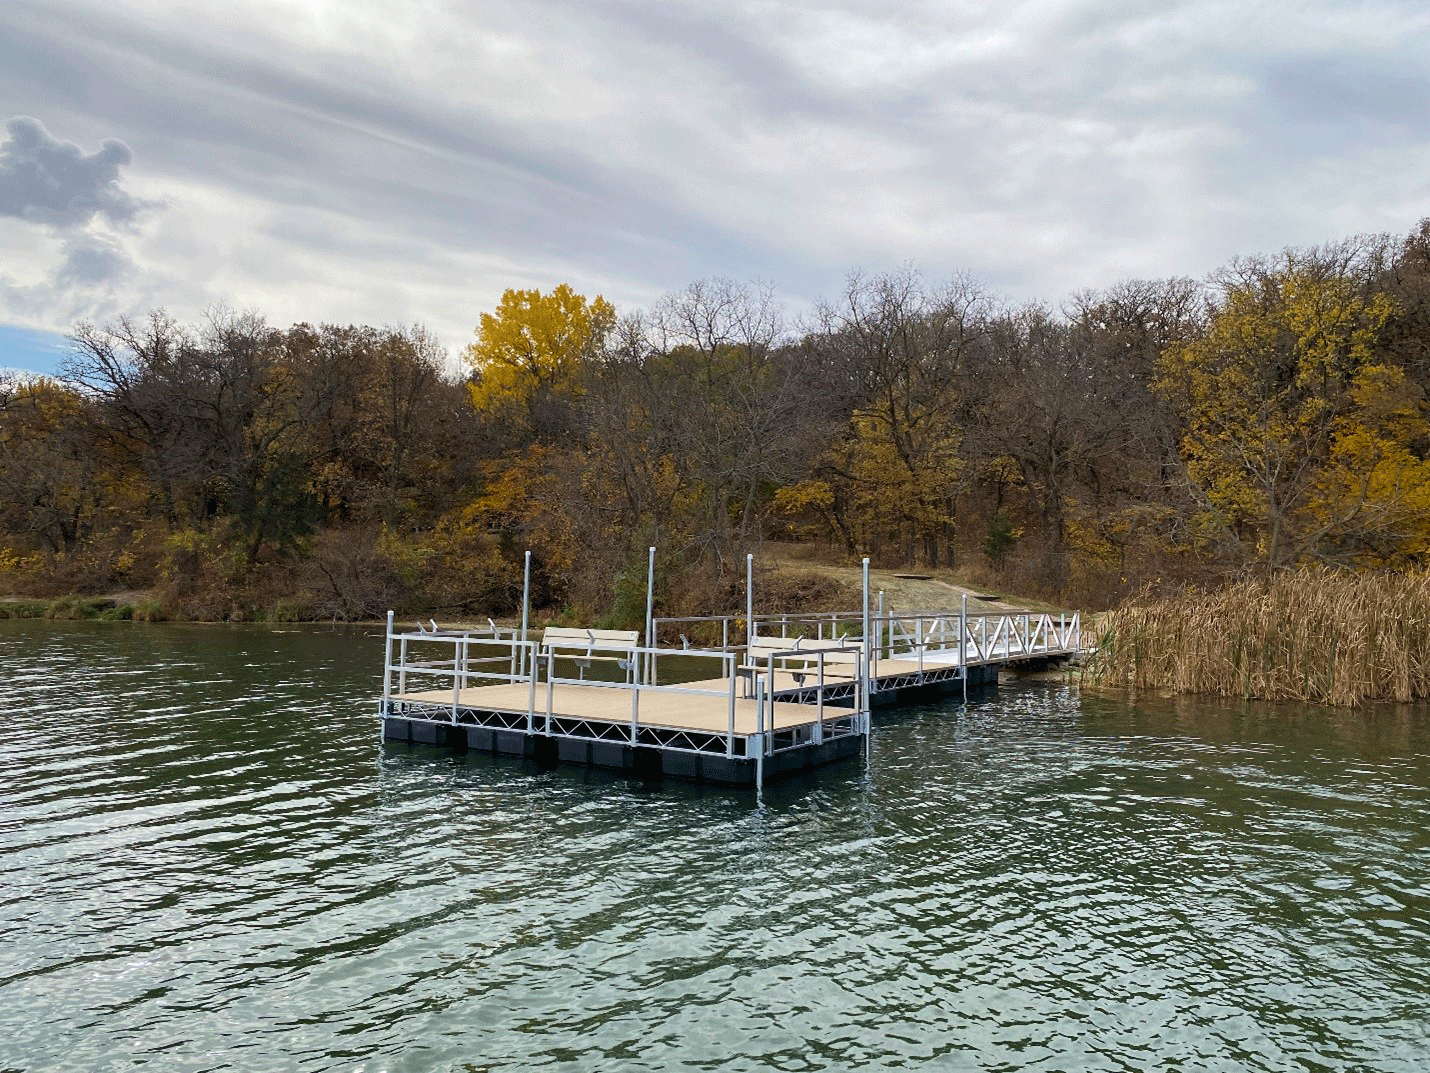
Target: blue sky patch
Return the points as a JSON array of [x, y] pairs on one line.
[[32, 351]]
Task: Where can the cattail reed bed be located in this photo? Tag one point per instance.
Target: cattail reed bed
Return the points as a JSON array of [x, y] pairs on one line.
[[1312, 635]]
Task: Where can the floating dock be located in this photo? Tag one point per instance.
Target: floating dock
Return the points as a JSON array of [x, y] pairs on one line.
[[793, 693]]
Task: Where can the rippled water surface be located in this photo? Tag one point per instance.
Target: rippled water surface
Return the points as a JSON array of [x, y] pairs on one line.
[[208, 862]]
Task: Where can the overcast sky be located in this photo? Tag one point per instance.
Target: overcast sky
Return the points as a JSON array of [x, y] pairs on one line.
[[388, 163]]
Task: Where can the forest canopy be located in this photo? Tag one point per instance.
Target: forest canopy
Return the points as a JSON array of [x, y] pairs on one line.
[[1270, 416]]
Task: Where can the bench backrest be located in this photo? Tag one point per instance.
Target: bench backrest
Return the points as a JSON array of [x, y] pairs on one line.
[[806, 644], [567, 637]]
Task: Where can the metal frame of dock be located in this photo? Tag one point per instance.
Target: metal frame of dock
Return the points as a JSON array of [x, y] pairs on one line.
[[759, 705]]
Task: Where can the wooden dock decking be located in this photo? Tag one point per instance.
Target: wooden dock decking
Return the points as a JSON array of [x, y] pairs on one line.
[[612, 704]]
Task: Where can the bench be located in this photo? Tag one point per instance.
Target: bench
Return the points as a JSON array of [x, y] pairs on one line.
[[583, 646], [799, 655]]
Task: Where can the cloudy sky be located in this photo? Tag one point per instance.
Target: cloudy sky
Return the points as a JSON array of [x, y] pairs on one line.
[[391, 163]]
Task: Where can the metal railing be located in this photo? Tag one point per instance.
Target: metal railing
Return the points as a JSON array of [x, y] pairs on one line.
[[480, 658], [935, 637]]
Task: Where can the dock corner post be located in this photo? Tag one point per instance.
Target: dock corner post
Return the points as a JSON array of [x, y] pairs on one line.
[[550, 688], [867, 653], [635, 713], [530, 679], [387, 666], [963, 644], [526, 613], [650, 617], [819, 704], [730, 728], [749, 598], [456, 676], [760, 735]]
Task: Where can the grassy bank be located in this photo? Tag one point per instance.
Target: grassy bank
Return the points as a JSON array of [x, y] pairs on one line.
[[789, 578], [73, 608], [1321, 636]]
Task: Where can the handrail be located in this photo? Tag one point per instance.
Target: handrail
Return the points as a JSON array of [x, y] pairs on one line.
[[975, 636], [464, 666]]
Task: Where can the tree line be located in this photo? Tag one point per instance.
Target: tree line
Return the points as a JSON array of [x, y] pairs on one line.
[[1272, 415]]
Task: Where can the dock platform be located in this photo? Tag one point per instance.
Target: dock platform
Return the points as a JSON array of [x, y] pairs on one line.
[[779, 703]]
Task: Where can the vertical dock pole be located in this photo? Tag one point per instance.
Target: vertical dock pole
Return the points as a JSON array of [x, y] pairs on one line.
[[650, 618], [866, 676], [550, 690], [819, 704], [730, 729], [866, 631], [963, 644], [526, 613], [760, 737], [387, 667], [749, 599], [881, 626]]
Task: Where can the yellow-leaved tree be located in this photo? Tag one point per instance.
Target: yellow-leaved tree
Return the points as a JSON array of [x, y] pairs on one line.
[[1301, 443], [528, 355]]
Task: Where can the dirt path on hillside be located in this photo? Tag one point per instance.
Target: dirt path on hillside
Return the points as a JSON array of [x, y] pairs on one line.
[[941, 591]]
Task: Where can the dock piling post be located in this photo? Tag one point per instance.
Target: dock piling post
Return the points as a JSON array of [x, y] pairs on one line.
[[650, 617], [525, 614], [866, 674], [749, 599], [550, 690], [730, 728], [819, 704], [387, 666], [530, 681], [963, 644], [456, 676], [760, 736]]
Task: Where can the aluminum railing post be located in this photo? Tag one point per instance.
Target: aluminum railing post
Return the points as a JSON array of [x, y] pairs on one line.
[[650, 615], [867, 670], [819, 705], [730, 728], [635, 712], [526, 612], [550, 689], [749, 599], [456, 675], [531, 678], [387, 666], [963, 644]]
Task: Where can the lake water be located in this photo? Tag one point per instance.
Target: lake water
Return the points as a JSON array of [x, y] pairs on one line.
[[207, 861]]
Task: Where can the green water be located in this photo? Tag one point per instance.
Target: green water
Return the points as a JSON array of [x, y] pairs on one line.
[[208, 862]]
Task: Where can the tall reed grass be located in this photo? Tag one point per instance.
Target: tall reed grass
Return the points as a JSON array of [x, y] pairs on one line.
[[1313, 635]]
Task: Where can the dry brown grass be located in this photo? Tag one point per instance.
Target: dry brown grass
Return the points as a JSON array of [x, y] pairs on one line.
[[1314, 635]]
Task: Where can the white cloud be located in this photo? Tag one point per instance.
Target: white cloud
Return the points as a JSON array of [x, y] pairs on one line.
[[357, 161]]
